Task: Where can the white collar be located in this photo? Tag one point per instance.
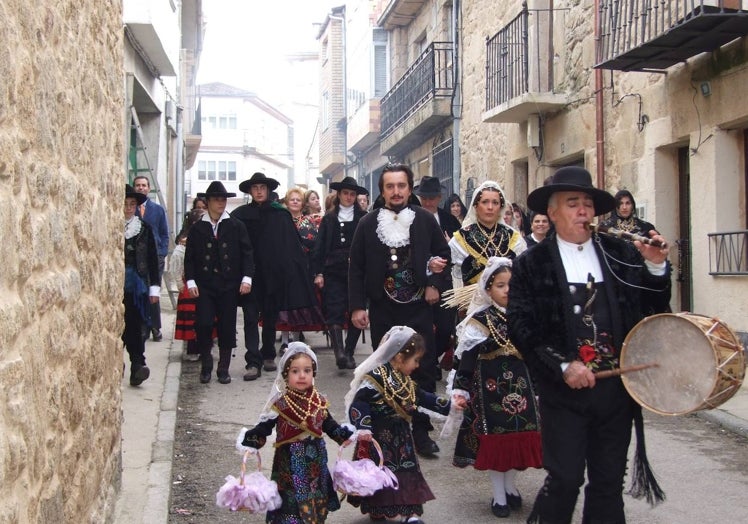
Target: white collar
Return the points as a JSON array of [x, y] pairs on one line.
[[132, 227], [345, 214], [393, 229], [206, 218], [579, 260]]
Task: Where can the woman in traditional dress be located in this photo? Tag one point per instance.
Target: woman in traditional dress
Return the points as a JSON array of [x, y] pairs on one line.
[[484, 234], [455, 207], [307, 319], [625, 218]]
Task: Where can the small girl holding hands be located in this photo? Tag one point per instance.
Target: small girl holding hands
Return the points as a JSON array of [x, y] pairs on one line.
[[382, 400], [299, 414], [500, 430]]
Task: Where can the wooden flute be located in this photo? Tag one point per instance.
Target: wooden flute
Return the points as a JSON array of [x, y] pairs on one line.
[[625, 235]]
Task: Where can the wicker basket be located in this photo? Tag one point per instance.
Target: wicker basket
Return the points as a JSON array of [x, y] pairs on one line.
[[253, 493], [362, 477]]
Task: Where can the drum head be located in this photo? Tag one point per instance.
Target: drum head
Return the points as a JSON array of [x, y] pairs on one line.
[[685, 375]]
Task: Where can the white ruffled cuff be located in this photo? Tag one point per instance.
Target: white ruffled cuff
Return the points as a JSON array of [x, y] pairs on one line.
[[239, 446]]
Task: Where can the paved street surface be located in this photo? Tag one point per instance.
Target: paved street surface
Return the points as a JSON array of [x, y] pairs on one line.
[[702, 467]]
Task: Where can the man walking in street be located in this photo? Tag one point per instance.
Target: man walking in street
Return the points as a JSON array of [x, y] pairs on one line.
[[218, 268], [572, 301], [397, 263], [282, 277], [155, 216], [429, 192]]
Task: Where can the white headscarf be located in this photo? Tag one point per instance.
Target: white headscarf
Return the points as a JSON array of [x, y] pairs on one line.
[[481, 298], [392, 343], [279, 385], [470, 217]]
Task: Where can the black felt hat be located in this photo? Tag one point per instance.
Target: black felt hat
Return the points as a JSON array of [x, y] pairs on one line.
[[216, 189], [131, 193], [571, 178], [429, 187], [256, 179], [349, 183]]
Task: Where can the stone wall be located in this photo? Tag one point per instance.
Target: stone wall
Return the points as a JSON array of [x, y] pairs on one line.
[[61, 175]]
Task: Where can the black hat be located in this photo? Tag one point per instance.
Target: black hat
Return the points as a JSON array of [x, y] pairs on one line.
[[571, 178], [258, 178], [349, 183], [429, 187], [216, 189], [130, 193]]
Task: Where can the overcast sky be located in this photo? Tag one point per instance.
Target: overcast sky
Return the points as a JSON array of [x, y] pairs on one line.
[[245, 41]]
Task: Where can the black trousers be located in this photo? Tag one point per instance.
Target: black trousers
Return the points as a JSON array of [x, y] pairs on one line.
[[254, 307], [335, 296], [133, 333], [592, 428], [156, 308], [444, 327], [217, 301]]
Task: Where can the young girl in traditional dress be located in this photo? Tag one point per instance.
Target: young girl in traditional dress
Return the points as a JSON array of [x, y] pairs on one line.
[[500, 430], [382, 400], [299, 414]]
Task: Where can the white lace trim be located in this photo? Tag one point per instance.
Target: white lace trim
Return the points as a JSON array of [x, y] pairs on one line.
[[132, 227], [393, 229]]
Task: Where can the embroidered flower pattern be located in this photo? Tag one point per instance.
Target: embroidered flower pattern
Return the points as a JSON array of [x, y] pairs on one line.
[[599, 356]]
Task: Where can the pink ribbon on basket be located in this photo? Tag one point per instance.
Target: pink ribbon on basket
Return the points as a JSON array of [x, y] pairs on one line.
[[254, 492], [362, 477]]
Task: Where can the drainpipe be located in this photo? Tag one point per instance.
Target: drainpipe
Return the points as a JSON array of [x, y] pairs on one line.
[[456, 100], [599, 129], [341, 19]]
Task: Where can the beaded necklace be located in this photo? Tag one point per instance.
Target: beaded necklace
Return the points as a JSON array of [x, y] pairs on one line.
[[396, 387], [505, 345], [303, 406], [491, 248]]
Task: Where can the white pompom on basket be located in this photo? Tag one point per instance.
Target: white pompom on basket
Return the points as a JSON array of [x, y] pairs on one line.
[[362, 477], [253, 493]]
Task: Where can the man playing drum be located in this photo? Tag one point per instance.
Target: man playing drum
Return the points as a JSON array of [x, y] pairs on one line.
[[573, 298]]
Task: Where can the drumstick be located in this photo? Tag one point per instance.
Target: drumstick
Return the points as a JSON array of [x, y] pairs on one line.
[[620, 371]]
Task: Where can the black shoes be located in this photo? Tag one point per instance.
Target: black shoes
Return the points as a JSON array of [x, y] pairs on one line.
[[424, 445], [514, 501], [139, 375], [157, 336], [224, 378], [205, 376], [500, 511], [253, 373], [269, 365]]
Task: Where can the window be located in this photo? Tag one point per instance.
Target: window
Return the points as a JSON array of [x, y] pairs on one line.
[[380, 63], [201, 168], [221, 170], [216, 170], [232, 170], [211, 169], [224, 121]]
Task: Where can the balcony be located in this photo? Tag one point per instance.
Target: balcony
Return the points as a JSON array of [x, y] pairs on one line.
[[153, 30], [420, 102], [728, 253], [519, 68], [363, 126], [652, 36]]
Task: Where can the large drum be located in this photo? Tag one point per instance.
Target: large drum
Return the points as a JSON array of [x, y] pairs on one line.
[[700, 363]]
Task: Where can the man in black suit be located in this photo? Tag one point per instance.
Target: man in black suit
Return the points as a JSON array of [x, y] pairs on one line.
[[218, 267], [429, 191], [397, 264]]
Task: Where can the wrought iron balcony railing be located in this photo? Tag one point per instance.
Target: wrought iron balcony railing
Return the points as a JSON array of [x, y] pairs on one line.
[[507, 62], [728, 253], [429, 77], [642, 35], [519, 67]]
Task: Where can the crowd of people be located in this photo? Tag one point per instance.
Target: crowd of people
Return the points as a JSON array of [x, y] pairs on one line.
[[542, 306]]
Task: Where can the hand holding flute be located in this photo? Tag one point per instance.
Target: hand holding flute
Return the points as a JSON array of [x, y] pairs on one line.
[[653, 248]]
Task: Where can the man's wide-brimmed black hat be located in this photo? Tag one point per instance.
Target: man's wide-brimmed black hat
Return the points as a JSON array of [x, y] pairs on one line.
[[216, 189], [571, 178], [349, 183], [256, 179], [131, 193], [429, 187]]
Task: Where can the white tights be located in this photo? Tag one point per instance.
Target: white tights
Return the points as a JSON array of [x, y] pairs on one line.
[[503, 483]]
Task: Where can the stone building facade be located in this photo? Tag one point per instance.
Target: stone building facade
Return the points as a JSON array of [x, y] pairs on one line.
[[674, 134], [61, 171]]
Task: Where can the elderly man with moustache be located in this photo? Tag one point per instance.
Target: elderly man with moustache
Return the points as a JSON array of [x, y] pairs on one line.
[[573, 298]]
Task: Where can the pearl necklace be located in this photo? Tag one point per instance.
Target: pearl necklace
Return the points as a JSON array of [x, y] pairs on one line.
[[314, 403], [503, 342], [404, 395]]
